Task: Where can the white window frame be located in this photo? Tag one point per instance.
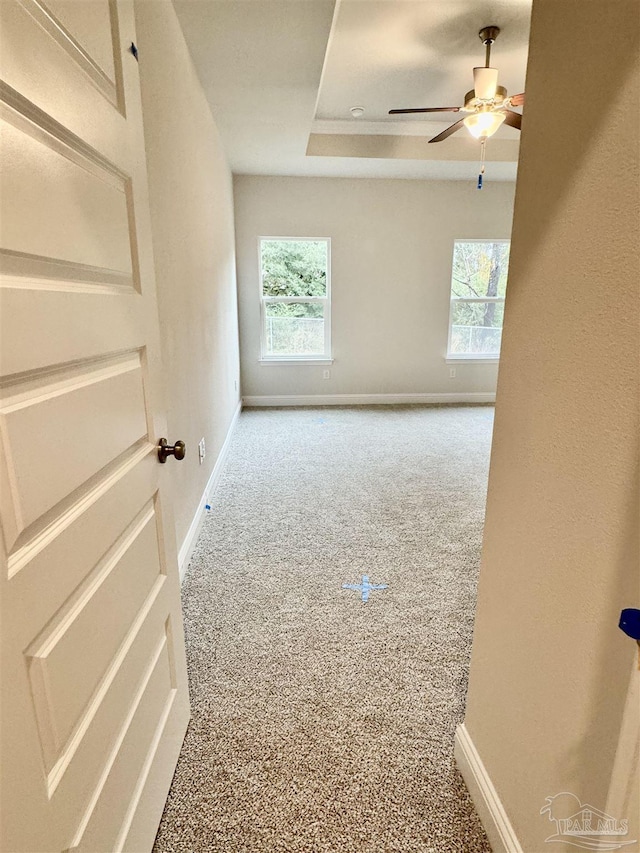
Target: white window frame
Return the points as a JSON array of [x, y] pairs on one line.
[[325, 301], [470, 358]]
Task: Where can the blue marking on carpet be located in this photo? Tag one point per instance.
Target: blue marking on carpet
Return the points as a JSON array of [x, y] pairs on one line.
[[365, 587]]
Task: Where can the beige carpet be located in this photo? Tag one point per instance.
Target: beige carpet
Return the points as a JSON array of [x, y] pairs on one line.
[[322, 724]]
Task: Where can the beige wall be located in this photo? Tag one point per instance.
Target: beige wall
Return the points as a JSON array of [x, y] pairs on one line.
[[550, 669], [191, 199], [391, 244]]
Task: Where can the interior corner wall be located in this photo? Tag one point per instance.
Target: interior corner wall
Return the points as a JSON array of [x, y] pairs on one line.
[[550, 669], [191, 200], [391, 254]]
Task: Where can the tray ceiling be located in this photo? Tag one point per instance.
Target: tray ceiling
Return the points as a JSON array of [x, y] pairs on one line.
[[282, 75]]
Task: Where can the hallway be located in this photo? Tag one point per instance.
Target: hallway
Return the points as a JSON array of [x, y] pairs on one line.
[[320, 723]]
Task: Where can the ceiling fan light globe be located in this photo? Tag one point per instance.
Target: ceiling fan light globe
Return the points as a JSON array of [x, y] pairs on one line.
[[484, 123], [485, 83]]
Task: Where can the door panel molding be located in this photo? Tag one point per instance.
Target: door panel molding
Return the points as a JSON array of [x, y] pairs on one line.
[[26, 116], [113, 475], [159, 665], [69, 750], [35, 272], [104, 83]]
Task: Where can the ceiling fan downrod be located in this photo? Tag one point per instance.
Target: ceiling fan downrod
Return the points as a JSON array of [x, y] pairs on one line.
[[487, 36]]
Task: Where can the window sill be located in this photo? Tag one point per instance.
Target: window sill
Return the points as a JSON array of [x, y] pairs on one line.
[[295, 362], [471, 359]]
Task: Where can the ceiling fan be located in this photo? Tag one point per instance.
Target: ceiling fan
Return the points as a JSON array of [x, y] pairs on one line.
[[487, 104]]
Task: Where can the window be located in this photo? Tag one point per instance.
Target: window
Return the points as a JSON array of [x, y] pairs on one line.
[[295, 297], [478, 286]]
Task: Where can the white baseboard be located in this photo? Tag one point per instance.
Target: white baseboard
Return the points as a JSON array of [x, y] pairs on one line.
[[370, 399], [189, 543], [485, 797]]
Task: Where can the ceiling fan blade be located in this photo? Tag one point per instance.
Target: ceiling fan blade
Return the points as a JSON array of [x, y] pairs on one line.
[[512, 119], [425, 110], [451, 129], [517, 100]]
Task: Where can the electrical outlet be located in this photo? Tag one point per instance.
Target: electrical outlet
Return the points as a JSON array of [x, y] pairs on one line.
[[452, 373], [326, 374], [202, 450]]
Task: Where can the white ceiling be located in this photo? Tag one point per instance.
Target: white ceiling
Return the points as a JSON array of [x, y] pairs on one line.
[[281, 76]]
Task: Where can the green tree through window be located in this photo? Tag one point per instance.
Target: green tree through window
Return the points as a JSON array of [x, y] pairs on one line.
[[295, 285], [478, 288]]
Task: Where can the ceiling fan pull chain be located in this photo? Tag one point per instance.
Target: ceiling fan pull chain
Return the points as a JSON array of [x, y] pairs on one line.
[[483, 142]]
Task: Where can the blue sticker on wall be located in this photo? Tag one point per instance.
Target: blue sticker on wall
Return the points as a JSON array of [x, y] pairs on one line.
[[365, 587]]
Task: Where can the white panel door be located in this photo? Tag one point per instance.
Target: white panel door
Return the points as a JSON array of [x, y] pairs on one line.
[[94, 693]]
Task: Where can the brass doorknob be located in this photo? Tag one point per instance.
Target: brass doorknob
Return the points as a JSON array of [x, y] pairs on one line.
[[165, 450]]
